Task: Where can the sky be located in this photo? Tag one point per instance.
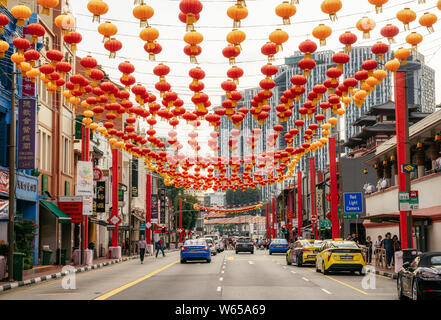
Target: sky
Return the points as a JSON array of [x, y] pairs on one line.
[[214, 24]]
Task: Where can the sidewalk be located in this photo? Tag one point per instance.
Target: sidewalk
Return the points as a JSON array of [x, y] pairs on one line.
[[384, 272], [44, 273]]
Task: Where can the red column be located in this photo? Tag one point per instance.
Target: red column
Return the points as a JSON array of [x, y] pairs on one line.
[[290, 206], [115, 194], [148, 209], [86, 158], [334, 189], [180, 220], [299, 203], [273, 207], [401, 116], [268, 232], [313, 196]]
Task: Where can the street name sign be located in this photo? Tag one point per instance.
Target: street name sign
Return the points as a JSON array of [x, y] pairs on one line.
[[408, 200]]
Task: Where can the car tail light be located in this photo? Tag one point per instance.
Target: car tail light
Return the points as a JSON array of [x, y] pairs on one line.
[[184, 248], [429, 275], [329, 255], [304, 250], [205, 248], [364, 257]]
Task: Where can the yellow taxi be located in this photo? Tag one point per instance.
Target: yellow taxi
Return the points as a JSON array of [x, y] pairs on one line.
[[340, 255], [303, 252]]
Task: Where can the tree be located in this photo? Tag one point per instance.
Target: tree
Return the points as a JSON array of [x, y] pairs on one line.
[[189, 214], [239, 197]]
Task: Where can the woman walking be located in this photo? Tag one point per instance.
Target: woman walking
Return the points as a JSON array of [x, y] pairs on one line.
[[142, 245]]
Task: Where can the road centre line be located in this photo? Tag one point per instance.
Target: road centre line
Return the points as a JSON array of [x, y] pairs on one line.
[[130, 284]]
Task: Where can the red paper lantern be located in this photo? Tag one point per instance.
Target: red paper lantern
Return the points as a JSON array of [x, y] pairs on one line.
[[390, 31], [113, 46], [36, 30], [73, 38], [380, 49], [308, 47], [348, 39], [231, 52]]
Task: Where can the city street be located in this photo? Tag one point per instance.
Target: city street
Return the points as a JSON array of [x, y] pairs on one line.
[[228, 277]]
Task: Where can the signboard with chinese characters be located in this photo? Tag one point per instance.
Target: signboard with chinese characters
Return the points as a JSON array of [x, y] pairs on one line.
[[135, 163], [100, 196], [84, 186], [155, 218], [162, 205], [73, 207], [4, 181], [27, 131], [26, 187]]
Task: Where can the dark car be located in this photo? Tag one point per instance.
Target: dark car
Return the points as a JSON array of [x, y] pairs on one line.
[[421, 279], [244, 245]]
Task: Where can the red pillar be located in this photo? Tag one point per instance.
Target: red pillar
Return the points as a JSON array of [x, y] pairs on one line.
[[86, 158], [148, 209], [290, 206], [273, 207], [299, 203], [334, 189], [180, 220], [115, 194], [268, 232], [402, 135]]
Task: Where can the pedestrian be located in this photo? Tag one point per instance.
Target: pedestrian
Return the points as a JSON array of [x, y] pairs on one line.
[[349, 237], [142, 244], [159, 247], [369, 250], [387, 245], [396, 246]]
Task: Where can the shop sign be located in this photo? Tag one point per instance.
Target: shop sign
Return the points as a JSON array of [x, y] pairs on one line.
[[84, 186], [154, 209], [100, 196], [162, 205], [27, 131], [26, 188], [134, 186], [4, 181], [73, 207]]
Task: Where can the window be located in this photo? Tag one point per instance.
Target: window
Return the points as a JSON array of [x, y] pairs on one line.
[[45, 151], [66, 155]]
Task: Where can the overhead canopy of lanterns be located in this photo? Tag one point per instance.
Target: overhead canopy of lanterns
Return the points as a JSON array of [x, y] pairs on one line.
[[320, 104], [229, 209]]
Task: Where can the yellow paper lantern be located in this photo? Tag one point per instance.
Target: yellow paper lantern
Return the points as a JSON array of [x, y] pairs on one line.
[[21, 13]]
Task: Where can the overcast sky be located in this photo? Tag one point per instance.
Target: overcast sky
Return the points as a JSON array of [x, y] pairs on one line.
[[214, 24]]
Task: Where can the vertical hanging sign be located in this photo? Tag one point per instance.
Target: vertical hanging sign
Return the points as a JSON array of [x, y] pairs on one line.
[[101, 196], [27, 131], [154, 209], [84, 186], [135, 163], [162, 206]]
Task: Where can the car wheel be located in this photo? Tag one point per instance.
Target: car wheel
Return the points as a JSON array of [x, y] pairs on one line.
[[236, 252], [287, 261], [415, 293], [316, 267], [324, 268], [270, 253], [183, 261], [400, 289], [208, 260], [299, 261], [252, 252]]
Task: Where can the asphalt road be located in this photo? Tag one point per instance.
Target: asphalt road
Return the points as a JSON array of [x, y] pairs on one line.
[[228, 277]]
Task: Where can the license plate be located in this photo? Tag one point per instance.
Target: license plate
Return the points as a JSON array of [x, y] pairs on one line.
[[346, 258], [311, 256]]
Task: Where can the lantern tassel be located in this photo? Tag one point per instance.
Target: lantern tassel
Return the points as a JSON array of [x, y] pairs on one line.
[[378, 9], [152, 57], [286, 21], [46, 11]]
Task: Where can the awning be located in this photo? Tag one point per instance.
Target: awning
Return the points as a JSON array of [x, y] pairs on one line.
[[62, 217], [394, 218], [99, 222]]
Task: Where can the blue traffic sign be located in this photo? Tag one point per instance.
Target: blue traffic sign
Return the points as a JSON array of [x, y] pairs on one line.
[[353, 202]]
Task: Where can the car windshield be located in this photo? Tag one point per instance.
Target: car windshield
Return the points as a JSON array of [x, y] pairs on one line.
[[345, 245], [209, 241], [244, 240], [435, 261], [279, 241], [195, 243]]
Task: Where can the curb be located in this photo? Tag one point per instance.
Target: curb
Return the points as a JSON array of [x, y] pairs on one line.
[[57, 275], [391, 275]]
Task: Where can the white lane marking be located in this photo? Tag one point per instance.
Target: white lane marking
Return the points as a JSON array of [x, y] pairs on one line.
[[222, 271], [284, 267], [305, 279], [223, 267], [324, 290], [293, 272], [251, 262], [219, 289], [221, 279]]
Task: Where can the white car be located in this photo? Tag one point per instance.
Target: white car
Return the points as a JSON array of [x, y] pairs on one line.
[[211, 245], [215, 240]]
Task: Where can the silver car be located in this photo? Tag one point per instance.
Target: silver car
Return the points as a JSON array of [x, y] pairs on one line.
[[211, 245]]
